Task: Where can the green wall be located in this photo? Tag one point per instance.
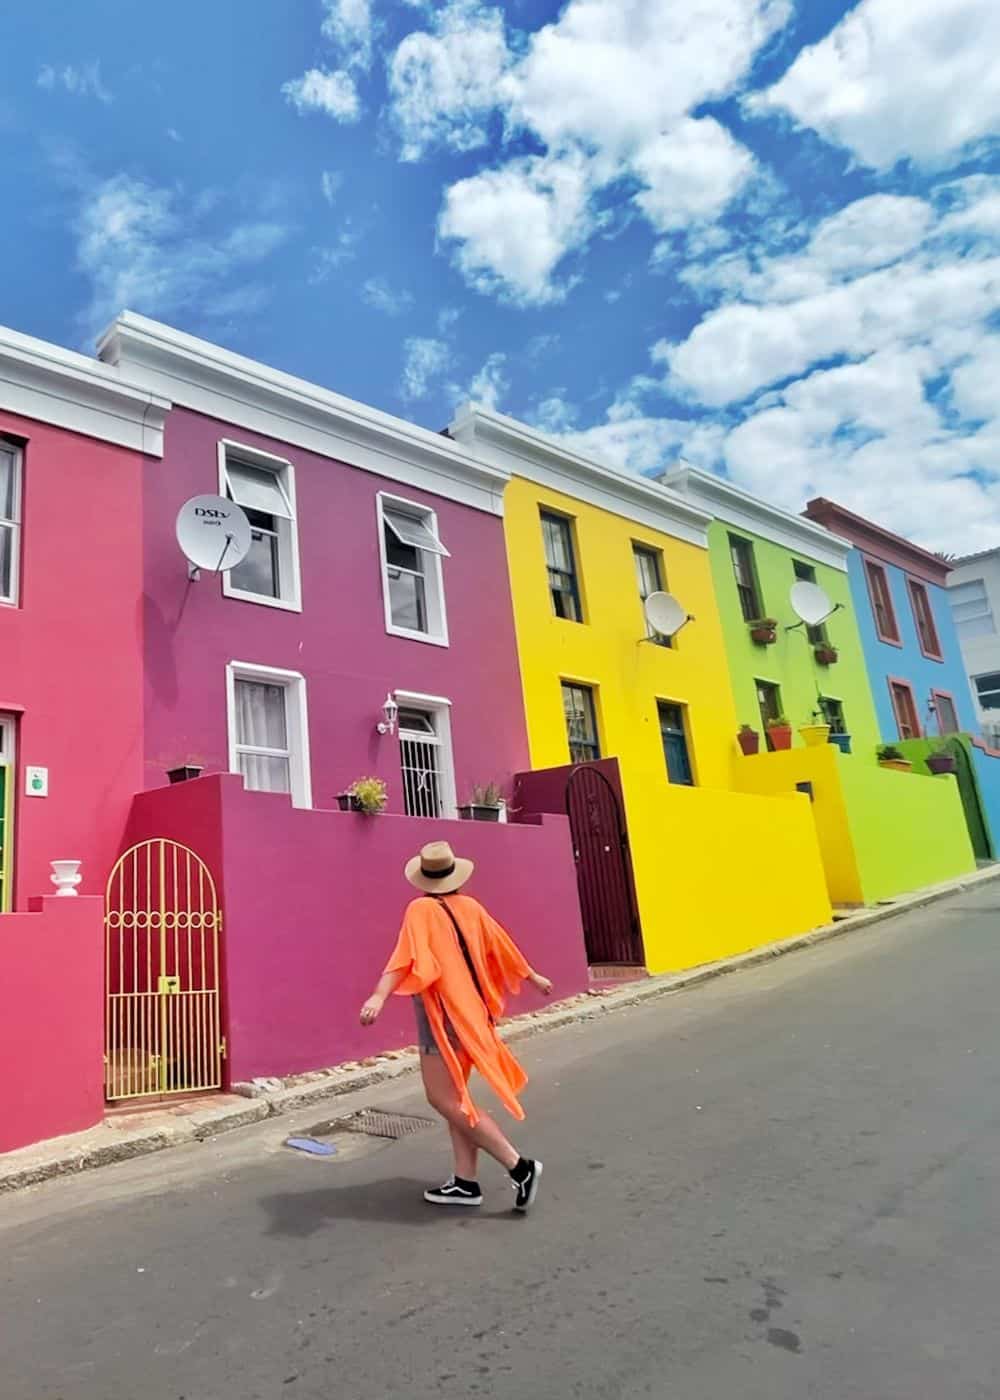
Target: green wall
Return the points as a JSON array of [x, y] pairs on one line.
[[789, 663]]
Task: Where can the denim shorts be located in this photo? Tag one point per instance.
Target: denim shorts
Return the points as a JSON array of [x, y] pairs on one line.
[[425, 1036]]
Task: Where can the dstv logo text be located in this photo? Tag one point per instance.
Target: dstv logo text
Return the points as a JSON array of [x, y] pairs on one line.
[[208, 513]]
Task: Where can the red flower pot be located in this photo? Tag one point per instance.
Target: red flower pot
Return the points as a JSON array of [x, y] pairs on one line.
[[763, 636], [780, 736], [749, 741], [826, 656]]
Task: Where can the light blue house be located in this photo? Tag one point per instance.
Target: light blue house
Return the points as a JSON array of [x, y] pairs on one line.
[[915, 664]]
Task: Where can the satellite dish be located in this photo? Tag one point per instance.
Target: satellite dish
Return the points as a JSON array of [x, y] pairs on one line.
[[213, 533], [810, 603], [665, 614]]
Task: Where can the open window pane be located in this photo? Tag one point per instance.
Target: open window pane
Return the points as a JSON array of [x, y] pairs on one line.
[[906, 711], [581, 723], [675, 745], [415, 533], [256, 488], [833, 714], [947, 716], [563, 585]]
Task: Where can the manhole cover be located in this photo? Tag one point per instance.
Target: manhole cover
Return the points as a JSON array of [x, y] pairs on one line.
[[375, 1122]]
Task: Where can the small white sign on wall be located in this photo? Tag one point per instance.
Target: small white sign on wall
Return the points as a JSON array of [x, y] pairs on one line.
[[36, 782]]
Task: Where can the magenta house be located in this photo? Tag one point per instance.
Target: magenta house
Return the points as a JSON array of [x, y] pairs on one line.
[[368, 632]]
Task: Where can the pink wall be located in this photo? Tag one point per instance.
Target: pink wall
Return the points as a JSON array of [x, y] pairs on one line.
[[339, 641], [70, 655], [312, 905], [52, 1026]]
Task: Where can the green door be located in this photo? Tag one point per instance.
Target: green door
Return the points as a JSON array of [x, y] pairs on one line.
[[969, 791]]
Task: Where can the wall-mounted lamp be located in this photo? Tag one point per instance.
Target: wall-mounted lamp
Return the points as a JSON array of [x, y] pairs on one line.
[[390, 710]]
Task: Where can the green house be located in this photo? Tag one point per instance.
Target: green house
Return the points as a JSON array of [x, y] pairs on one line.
[[881, 831]]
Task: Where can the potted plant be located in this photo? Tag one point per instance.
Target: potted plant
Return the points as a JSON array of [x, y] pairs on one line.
[[891, 757], [366, 795], [484, 804], [825, 654], [764, 631], [192, 767], [842, 741], [779, 731], [814, 734], [748, 740], [939, 760]]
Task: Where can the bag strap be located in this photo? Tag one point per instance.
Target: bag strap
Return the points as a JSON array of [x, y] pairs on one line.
[[465, 954]]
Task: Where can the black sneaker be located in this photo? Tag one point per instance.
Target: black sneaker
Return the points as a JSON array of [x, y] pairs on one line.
[[454, 1194], [526, 1190]]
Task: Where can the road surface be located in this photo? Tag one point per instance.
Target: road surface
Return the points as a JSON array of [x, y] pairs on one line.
[[781, 1186]]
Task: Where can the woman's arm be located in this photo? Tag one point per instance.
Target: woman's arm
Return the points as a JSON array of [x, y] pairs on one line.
[[543, 984], [384, 988]]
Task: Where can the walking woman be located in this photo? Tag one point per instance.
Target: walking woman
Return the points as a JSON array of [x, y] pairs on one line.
[[458, 964]]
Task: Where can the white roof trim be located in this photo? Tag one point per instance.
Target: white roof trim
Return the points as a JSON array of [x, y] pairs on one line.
[[519, 450], [68, 390], [728, 503], [237, 390]]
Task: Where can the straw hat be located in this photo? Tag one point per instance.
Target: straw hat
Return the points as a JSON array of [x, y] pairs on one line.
[[437, 870]]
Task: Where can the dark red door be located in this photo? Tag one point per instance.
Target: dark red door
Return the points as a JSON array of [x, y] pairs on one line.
[[603, 869]]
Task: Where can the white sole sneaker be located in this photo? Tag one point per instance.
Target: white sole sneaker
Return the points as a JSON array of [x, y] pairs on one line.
[[526, 1200], [435, 1197]]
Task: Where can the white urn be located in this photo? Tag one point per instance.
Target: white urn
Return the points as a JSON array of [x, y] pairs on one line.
[[66, 876]]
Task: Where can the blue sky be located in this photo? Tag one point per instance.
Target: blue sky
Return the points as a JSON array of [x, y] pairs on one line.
[[761, 235]]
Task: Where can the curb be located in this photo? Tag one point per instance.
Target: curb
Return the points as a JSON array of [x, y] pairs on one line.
[[103, 1145]]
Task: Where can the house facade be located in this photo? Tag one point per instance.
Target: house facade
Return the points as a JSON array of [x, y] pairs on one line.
[[974, 598], [75, 442], [656, 721], [782, 667]]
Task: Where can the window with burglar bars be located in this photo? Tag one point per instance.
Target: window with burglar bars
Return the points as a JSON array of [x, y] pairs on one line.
[[564, 585], [745, 573], [581, 723], [422, 759]]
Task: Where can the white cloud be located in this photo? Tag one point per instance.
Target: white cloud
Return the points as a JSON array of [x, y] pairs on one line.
[[343, 249], [490, 384], [320, 91], [81, 82], [447, 317], [378, 294], [607, 90], [975, 383], [139, 248], [348, 25], [330, 182], [425, 360], [898, 79], [689, 172], [511, 227], [555, 415], [443, 84], [174, 134]]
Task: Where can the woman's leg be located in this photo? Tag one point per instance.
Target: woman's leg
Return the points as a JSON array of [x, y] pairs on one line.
[[441, 1095], [465, 1152]]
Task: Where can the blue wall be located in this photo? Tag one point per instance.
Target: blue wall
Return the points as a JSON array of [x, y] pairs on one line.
[[907, 662]]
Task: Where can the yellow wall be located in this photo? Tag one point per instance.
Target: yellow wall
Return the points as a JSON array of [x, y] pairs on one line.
[[881, 833], [701, 856]]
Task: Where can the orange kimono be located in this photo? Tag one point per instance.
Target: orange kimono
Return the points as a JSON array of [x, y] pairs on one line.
[[428, 951]]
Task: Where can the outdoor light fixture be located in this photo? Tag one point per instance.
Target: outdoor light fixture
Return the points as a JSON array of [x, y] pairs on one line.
[[387, 725]]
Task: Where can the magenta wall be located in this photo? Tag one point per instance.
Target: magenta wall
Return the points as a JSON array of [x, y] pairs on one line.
[[71, 654], [312, 904], [52, 1026], [339, 640]]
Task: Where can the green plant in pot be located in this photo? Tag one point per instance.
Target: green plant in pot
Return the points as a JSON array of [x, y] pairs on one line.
[[941, 760], [779, 732], [891, 757], [484, 804], [368, 795]]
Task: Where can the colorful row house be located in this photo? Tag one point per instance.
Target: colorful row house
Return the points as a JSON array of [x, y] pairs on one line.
[[461, 615]]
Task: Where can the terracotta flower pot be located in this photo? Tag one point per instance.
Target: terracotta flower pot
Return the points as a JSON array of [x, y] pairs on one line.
[[812, 735], [825, 656], [749, 741], [763, 636], [780, 736]]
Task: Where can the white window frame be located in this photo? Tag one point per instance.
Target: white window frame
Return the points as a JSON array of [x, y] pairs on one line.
[[289, 574], [296, 720], [437, 617], [12, 599], [439, 709]]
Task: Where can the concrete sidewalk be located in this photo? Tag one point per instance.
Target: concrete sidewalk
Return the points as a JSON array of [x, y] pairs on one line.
[[124, 1136]]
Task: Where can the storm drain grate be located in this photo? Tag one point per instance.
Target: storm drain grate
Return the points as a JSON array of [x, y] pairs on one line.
[[375, 1122]]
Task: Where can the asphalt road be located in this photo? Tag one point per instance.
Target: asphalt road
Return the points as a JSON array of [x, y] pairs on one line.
[[783, 1185]]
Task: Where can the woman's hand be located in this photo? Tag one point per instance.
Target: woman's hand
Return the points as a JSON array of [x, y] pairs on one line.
[[372, 1009], [543, 984]]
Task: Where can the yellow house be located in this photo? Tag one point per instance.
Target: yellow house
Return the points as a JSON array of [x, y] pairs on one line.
[[715, 871]]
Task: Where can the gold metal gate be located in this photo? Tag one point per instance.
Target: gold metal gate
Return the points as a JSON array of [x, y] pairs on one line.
[[162, 924]]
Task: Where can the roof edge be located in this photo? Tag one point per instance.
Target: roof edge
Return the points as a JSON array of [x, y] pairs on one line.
[[874, 539]]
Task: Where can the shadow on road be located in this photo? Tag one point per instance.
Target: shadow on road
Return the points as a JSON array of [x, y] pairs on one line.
[[397, 1200]]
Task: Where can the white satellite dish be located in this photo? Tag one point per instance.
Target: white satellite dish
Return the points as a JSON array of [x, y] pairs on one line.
[[810, 603], [664, 614], [213, 533]]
